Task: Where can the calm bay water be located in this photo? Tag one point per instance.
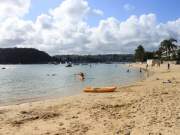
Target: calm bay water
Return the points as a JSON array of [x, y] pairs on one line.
[[22, 83]]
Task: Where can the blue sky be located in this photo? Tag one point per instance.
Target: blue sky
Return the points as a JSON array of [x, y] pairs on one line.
[[165, 10]]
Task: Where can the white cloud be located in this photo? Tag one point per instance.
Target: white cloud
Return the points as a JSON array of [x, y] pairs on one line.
[[44, 21], [65, 30], [128, 7], [71, 10], [15, 32], [13, 8], [98, 12]]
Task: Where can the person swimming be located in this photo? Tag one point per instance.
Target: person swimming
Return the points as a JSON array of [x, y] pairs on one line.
[[82, 76]]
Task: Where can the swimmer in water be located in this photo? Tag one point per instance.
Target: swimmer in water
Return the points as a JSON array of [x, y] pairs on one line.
[[82, 76]]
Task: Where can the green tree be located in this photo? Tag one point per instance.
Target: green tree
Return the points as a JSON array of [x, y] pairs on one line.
[[178, 55], [168, 48], [140, 54], [149, 55], [158, 54]]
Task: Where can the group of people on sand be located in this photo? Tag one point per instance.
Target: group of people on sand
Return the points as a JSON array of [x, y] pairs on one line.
[[168, 65]]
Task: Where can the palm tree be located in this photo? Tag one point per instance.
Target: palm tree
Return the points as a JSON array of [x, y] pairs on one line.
[[168, 47]]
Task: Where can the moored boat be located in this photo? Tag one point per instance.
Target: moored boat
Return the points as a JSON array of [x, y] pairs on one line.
[[69, 65]]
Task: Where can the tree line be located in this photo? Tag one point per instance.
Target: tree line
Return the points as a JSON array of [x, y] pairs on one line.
[[168, 50], [34, 56], [105, 58]]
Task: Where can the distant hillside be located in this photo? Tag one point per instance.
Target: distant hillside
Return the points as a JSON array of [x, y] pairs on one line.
[[95, 58], [23, 56], [34, 56]]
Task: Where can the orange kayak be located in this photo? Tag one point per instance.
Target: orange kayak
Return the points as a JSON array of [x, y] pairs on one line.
[[100, 89]]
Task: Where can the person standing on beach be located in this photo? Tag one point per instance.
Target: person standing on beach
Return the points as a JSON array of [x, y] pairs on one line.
[[140, 70], [168, 66]]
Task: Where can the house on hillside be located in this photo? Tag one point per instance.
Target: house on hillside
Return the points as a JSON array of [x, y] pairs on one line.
[[171, 54]]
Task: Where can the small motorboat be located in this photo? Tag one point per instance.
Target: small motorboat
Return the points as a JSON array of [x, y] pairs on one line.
[[100, 89], [69, 65]]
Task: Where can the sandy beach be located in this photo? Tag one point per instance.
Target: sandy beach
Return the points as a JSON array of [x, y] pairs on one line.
[[148, 107]]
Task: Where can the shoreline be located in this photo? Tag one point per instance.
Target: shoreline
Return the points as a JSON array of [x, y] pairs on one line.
[[150, 106], [38, 99]]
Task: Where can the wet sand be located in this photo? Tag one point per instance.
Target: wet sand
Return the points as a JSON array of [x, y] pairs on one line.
[[148, 107]]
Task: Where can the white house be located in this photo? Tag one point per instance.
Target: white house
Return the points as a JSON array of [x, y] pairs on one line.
[[170, 54]]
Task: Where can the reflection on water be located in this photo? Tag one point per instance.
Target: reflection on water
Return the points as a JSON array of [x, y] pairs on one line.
[[26, 82]]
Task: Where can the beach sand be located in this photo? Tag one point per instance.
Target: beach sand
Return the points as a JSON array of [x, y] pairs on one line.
[[148, 107]]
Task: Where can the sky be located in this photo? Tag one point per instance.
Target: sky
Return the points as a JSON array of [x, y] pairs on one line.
[[88, 26], [121, 9]]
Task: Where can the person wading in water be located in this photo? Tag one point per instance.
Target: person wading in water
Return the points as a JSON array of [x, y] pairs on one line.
[[82, 76], [140, 70]]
